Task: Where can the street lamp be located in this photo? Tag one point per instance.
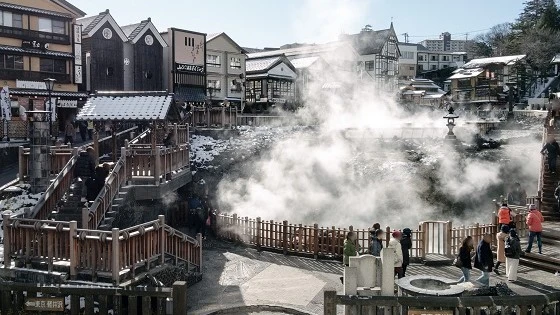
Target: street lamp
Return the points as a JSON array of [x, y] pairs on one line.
[[49, 83], [451, 116]]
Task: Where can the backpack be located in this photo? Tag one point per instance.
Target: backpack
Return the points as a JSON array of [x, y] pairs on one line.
[[508, 249]]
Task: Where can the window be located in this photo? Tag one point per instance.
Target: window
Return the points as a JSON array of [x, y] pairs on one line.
[[420, 57], [444, 58], [213, 61], [12, 62], [444, 66], [10, 19], [214, 85], [407, 55], [235, 63], [52, 26], [53, 65], [420, 67], [148, 74], [434, 67], [370, 65], [110, 71], [411, 68], [235, 86], [433, 58], [189, 41]]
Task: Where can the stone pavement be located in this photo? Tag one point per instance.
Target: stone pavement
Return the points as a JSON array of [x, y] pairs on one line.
[[236, 276]]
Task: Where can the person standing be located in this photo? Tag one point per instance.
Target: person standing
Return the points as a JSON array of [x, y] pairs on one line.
[[350, 248], [552, 150], [513, 253], [517, 196], [90, 129], [395, 244], [484, 259], [504, 216], [466, 258], [557, 196], [376, 243], [82, 126], [406, 245], [501, 254], [534, 222], [69, 133]]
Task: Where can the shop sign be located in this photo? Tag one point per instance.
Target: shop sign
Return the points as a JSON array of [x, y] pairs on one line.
[[278, 100], [45, 304], [34, 44], [181, 67], [5, 104], [32, 85], [68, 103], [78, 54]]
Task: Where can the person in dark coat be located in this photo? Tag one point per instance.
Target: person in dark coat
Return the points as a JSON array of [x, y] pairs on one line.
[[85, 165], [82, 126], [552, 150], [406, 245], [466, 258], [484, 260], [376, 243]]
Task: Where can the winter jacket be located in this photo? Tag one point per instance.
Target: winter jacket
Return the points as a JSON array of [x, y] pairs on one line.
[[515, 244], [396, 245], [376, 246], [484, 258], [406, 245], [501, 251], [349, 251], [557, 192], [465, 257], [85, 166], [535, 220], [504, 215], [69, 129], [551, 149], [517, 197]]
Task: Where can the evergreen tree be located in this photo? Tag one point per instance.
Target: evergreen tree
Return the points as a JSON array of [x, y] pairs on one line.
[[532, 14], [550, 18]]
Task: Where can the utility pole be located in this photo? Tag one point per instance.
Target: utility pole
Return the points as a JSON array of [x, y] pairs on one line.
[[405, 37]]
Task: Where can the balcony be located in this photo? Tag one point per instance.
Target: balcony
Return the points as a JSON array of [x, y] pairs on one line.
[[23, 34], [7, 74]]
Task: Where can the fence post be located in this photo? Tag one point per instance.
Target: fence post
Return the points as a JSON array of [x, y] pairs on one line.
[[157, 165], [96, 146], [223, 117], [315, 240], [21, 164], [236, 226], [176, 133], [123, 157], [259, 233], [449, 239], [161, 219], [7, 240], [179, 298], [329, 307], [73, 256], [85, 218], [285, 237], [199, 241], [115, 264]]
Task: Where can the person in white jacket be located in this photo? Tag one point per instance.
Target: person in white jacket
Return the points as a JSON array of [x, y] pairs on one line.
[[395, 243]]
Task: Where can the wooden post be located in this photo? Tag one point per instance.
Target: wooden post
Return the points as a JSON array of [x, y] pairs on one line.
[[21, 164], [176, 133], [7, 239], [387, 236], [258, 233], [73, 256], [157, 165], [179, 298], [236, 237], [154, 135], [285, 237], [199, 241], [114, 142], [96, 145], [223, 117], [85, 218], [315, 240], [329, 307], [50, 250], [123, 156], [161, 219], [115, 263], [449, 239]]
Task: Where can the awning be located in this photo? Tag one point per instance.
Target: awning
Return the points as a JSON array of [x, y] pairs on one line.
[[190, 94], [46, 93], [36, 52]]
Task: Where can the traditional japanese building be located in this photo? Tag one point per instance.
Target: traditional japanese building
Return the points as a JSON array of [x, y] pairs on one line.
[[102, 52], [39, 39]]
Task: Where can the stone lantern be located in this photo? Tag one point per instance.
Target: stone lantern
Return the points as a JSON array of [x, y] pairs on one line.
[[451, 116], [39, 157]]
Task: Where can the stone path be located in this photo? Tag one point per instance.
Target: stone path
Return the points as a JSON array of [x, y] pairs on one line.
[[236, 276]]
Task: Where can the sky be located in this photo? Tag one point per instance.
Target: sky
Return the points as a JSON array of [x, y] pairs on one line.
[[271, 23]]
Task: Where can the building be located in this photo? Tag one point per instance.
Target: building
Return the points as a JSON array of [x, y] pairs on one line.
[[39, 39], [408, 61], [423, 92], [270, 81], [438, 60], [102, 51], [225, 66], [312, 74], [143, 57], [184, 65], [486, 80], [445, 43]]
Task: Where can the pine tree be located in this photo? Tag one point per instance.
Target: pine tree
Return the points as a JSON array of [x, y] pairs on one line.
[[532, 14], [550, 18]]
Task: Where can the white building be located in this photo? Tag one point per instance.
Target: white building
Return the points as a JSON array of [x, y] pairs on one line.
[[408, 62], [445, 43], [438, 60], [225, 70]]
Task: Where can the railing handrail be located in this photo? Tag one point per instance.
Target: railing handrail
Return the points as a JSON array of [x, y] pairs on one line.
[[140, 136], [120, 133]]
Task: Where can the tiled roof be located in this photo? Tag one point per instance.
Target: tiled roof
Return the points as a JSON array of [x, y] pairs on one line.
[[126, 106], [132, 30], [72, 7], [46, 93], [482, 62], [211, 36], [369, 42], [36, 52], [302, 63], [260, 64], [299, 51], [89, 23], [250, 50], [33, 10], [190, 94]]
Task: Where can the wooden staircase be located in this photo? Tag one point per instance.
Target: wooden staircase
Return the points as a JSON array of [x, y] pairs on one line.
[[549, 183]]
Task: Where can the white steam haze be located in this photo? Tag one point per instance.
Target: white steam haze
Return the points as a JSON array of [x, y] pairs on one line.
[[333, 177]]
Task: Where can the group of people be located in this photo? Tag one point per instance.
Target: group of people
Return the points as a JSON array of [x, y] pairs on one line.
[[92, 175]]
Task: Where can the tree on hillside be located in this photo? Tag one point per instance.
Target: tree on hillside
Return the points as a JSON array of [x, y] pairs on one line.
[[540, 46], [532, 13], [550, 18], [494, 42]]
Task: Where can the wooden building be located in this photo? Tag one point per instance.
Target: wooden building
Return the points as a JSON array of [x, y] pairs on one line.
[[102, 50], [143, 57]]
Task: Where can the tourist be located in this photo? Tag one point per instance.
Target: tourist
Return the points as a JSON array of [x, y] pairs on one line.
[[513, 253], [504, 216], [82, 126], [395, 244], [350, 248], [552, 150], [69, 133], [466, 258], [517, 196], [406, 245], [376, 243], [534, 223], [557, 196], [169, 141], [501, 255], [484, 260], [85, 165], [90, 129]]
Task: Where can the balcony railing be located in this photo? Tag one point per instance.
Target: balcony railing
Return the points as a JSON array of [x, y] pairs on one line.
[[20, 33], [7, 74]]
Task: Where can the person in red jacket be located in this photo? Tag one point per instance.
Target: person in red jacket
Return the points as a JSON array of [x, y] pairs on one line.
[[534, 222]]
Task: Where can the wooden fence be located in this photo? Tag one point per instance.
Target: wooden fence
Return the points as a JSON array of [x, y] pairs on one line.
[[261, 120], [107, 254], [24, 298], [59, 158], [148, 164], [393, 305], [17, 129], [221, 117]]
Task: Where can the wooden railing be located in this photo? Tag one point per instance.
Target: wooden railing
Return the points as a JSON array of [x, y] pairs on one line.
[[30, 298], [59, 158], [17, 129], [261, 120], [213, 117], [143, 162], [98, 253], [533, 304]]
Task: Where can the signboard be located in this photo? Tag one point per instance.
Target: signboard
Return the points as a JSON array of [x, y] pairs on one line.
[[429, 312], [67, 103], [78, 54], [77, 33], [45, 304], [34, 44], [181, 67], [53, 107], [5, 104], [278, 100], [32, 85]]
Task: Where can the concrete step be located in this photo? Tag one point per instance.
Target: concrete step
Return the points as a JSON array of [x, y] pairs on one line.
[[105, 227], [541, 262], [122, 194], [108, 220], [111, 214], [118, 201], [68, 217]]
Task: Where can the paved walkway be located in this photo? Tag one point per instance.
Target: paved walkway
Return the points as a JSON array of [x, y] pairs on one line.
[[236, 276]]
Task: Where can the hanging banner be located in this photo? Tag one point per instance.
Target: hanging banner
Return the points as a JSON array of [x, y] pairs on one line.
[[52, 107], [5, 104]]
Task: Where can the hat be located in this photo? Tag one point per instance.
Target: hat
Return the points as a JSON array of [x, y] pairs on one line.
[[396, 234], [504, 204], [532, 206], [505, 228], [513, 233], [407, 231]]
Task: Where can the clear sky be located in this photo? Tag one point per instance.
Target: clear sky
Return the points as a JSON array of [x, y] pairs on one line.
[[271, 23]]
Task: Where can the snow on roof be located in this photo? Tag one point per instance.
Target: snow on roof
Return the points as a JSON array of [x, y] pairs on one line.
[[211, 36], [466, 73], [260, 64], [482, 62], [556, 59], [302, 50], [302, 63], [434, 96], [126, 106]]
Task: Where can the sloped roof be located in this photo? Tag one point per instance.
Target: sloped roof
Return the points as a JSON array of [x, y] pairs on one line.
[[302, 63], [250, 50], [36, 52], [556, 59], [92, 24], [466, 73], [133, 29], [212, 36], [261, 64], [299, 51], [482, 62], [88, 23], [126, 106], [369, 42], [419, 47], [34, 10]]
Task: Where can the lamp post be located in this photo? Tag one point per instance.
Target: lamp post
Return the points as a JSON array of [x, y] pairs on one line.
[[451, 116], [510, 86], [49, 83]]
